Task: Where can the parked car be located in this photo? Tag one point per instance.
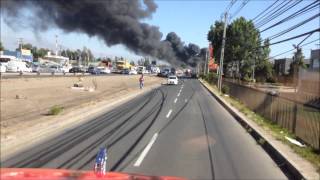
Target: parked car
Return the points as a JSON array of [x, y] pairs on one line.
[[104, 70], [173, 80], [3, 67], [18, 66], [93, 70], [76, 70], [133, 72], [35, 68], [55, 69]]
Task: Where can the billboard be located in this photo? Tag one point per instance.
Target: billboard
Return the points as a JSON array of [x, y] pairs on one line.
[[25, 52]]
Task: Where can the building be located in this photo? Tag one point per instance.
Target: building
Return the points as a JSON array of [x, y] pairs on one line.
[[282, 66], [315, 59], [23, 54]]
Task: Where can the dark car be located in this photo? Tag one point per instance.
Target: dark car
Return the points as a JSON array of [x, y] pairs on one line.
[[125, 71], [93, 70], [76, 70]]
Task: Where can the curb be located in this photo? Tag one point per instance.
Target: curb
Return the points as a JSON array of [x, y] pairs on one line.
[[287, 167]]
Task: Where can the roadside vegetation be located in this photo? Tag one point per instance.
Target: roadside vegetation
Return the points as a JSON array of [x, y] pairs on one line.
[[275, 130], [55, 110]]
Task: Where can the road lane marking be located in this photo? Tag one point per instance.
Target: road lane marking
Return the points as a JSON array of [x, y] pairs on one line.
[[186, 100], [175, 101], [178, 94], [169, 113], [146, 150]]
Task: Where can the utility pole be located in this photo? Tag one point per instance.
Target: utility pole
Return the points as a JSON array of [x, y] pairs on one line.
[[56, 45], [253, 69], [222, 51]]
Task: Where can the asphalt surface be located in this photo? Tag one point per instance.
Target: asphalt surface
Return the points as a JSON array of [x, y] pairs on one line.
[[172, 131]]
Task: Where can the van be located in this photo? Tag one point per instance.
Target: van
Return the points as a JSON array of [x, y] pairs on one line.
[[18, 66]]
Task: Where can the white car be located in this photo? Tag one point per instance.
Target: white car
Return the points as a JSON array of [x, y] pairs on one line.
[[3, 67], [104, 70], [172, 80], [132, 71], [18, 66]]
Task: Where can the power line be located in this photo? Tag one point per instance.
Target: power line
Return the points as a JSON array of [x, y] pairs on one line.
[[239, 9], [268, 8], [277, 14], [272, 11], [232, 2], [294, 27], [305, 9], [295, 37], [293, 49]]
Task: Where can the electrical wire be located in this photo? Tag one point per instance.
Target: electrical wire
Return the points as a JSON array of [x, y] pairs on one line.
[[270, 12], [277, 14], [244, 3], [268, 8], [294, 27], [304, 10], [293, 49], [295, 37]]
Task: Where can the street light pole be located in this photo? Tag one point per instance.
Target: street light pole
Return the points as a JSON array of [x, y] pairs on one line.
[[222, 51]]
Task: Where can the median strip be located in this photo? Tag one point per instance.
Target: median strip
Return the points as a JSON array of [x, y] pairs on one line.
[[146, 150]]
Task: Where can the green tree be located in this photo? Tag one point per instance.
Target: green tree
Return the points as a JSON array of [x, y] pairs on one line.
[[183, 66], [297, 62], [1, 47], [242, 46], [25, 46], [146, 62], [132, 63]]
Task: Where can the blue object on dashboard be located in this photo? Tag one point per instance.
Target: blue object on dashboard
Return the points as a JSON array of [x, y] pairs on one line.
[[100, 166]]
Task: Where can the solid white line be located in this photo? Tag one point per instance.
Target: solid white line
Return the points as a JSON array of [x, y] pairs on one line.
[[170, 111], [175, 101], [146, 150]]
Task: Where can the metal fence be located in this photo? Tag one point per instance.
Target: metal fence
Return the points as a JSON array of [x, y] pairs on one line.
[[300, 119]]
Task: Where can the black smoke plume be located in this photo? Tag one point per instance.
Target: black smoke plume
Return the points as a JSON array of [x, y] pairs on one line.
[[114, 21]]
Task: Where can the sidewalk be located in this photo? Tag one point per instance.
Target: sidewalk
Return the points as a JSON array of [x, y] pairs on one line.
[[296, 165]]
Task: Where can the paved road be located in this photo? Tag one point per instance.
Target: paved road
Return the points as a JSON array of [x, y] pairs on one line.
[[174, 130]]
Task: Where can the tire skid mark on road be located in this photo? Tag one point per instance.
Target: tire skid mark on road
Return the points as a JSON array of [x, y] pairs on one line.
[[117, 130], [207, 137], [114, 140], [208, 142], [142, 134], [75, 136]]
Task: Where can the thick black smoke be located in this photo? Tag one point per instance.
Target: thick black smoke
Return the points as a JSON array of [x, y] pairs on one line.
[[115, 21]]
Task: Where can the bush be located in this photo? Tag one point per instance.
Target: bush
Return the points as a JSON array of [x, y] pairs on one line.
[[55, 110], [225, 89]]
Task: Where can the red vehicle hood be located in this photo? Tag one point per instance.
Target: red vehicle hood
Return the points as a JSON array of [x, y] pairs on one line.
[[62, 174]]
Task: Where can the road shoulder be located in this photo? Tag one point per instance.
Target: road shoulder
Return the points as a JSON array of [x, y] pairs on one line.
[[298, 167]]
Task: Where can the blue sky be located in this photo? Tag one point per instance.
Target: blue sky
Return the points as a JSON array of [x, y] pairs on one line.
[[190, 19]]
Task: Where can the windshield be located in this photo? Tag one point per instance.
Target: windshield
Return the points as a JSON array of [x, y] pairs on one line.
[[194, 89]]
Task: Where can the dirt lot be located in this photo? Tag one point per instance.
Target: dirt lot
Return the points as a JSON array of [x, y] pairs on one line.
[[26, 100]]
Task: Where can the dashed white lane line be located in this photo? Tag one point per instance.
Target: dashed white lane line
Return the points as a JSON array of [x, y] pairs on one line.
[[175, 101], [169, 113], [178, 94], [186, 100], [146, 150]]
